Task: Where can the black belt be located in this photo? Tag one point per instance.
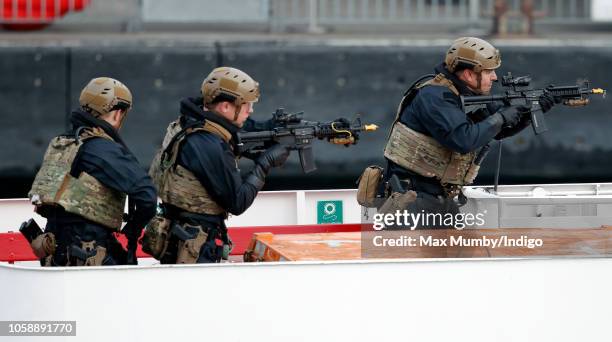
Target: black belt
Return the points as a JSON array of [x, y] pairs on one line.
[[174, 213], [412, 183], [186, 215], [416, 183]]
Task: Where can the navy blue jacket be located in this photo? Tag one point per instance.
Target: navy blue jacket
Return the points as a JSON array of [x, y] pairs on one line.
[[436, 111], [214, 162], [114, 166]]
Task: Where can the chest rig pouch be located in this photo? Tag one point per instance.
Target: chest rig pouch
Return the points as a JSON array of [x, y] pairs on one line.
[[83, 195], [155, 239], [422, 154]]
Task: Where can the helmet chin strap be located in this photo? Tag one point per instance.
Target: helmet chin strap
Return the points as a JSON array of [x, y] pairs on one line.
[[479, 81], [221, 114], [237, 113]]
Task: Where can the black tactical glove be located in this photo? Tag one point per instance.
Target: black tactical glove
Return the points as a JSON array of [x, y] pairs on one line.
[[547, 101], [274, 156], [478, 115], [513, 115], [257, 177], [509, 131]]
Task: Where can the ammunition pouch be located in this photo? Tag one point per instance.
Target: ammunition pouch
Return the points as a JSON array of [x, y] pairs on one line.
[[398, 201], [155, 239], [89, 254], [369, 186], [43, 245]]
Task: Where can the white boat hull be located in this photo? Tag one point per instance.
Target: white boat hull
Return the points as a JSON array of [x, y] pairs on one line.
[[399, 300]]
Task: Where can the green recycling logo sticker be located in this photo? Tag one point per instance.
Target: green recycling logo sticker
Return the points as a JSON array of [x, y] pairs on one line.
[[329, 212]]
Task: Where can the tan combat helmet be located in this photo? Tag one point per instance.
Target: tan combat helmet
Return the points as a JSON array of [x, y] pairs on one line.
[[231, 82], [475, 53], [104, 94]]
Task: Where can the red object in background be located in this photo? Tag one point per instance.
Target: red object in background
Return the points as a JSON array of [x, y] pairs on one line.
[[28, 15], [14, 247]]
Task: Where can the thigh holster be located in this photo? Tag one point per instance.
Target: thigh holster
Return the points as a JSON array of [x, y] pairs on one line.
[[191, 239]]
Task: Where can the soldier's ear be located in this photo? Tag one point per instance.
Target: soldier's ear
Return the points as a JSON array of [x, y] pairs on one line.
[[462, 75], [224, 106], [228, 107], [470, 76]]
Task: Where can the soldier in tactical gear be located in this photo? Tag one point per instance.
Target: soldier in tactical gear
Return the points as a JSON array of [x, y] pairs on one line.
[[196, 171], [433, 144], [82, 184]]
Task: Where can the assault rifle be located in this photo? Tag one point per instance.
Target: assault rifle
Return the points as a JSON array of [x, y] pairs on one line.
[[522, 94], [297, 134]]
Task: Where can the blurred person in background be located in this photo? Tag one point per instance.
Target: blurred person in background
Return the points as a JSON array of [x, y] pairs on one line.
[[500, 18]]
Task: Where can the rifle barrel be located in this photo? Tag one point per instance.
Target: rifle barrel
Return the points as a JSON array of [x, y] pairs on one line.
[[483, 98], [247, 136]]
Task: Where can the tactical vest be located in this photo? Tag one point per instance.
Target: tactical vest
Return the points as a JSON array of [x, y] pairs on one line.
[[84, 196], [422, 154], [175, 184]]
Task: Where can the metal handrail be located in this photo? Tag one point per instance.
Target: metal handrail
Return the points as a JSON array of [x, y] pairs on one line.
[[283, 13]]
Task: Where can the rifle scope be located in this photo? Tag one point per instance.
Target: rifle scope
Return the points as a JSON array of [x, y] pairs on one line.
[[519, 81]]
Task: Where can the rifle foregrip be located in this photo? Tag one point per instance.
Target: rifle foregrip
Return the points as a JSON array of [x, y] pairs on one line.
[[576, 102], [342, 141]]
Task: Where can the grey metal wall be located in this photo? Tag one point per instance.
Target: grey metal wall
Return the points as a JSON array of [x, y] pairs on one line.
[[38, 86], [32, 104]]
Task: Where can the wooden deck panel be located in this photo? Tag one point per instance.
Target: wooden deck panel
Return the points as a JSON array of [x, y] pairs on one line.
[[595, 242]]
